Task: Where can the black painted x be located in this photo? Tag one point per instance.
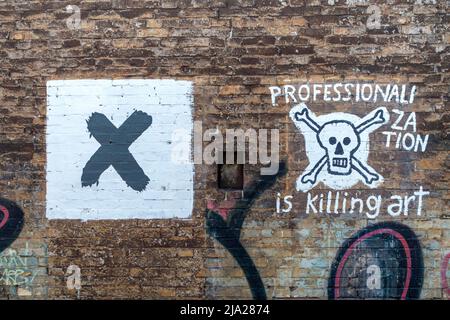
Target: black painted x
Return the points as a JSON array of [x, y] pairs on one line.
[[114, 149]]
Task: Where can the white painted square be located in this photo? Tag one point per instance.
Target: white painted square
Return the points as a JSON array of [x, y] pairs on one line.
[[70, 103]]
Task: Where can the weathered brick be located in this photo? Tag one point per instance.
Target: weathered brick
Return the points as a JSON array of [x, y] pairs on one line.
[[232, 51]]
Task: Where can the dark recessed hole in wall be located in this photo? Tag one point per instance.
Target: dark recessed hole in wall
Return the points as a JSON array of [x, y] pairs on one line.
[[230, 174]]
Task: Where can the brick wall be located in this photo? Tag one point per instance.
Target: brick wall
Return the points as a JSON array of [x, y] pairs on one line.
[[236, 244]]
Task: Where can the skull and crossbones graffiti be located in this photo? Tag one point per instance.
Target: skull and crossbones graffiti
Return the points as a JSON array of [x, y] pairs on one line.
[[339, 141]]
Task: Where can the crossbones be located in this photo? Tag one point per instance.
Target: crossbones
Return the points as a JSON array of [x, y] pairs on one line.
[[340, 139]]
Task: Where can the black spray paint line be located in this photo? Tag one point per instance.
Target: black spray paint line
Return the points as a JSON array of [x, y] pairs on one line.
[[393, 249], [114, 149], [228, 231], [11, 223], [244, 260]]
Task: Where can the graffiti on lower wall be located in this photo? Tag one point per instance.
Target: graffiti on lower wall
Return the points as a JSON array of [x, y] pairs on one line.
[[126, 171], [382, 261], [18, 268], [11, 224], [225, 226]]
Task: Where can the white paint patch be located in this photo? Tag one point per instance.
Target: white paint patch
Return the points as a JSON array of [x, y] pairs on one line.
[[337, 146], [169, 194]]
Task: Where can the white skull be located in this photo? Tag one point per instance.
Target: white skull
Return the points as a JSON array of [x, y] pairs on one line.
[[340, 140]]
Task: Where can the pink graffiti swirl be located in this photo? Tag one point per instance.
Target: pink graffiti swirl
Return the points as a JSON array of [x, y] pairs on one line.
[[5, 216]]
